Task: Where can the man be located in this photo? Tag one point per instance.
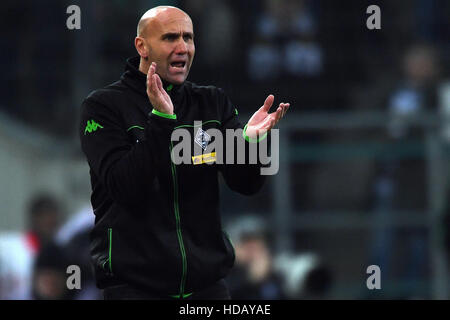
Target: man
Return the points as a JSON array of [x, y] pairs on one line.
[[18, 250], [157, 232]]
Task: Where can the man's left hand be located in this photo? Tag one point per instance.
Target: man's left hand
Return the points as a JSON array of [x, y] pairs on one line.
[[262, 121]]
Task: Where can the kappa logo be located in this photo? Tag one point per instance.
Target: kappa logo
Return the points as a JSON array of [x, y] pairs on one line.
[[202, 138], [92, 126]]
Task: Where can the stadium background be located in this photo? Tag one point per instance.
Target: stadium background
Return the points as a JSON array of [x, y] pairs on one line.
[[364, 148]]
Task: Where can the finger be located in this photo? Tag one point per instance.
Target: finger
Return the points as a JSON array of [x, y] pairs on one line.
[[160, 91], [149, 85], [155, 89], [150, 73], [278, 114], [284, 109], [152, 69], [287, 107], [149, 82], [159, 82], [268, 103]]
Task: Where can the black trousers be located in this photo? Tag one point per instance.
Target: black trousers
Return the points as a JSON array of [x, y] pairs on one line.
[[217, 291]]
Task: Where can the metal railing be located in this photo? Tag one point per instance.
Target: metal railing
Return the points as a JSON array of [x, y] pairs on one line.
[[432, 149]]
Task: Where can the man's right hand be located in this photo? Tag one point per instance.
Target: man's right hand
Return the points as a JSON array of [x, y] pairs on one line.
[[159, 98]]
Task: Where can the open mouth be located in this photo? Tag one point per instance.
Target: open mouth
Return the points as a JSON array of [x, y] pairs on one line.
[[178, 64]]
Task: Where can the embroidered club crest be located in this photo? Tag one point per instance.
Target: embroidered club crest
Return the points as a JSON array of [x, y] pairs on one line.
[[202, 138]]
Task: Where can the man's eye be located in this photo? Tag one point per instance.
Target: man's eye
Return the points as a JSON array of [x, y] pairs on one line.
[[171, 37], [187, 38]]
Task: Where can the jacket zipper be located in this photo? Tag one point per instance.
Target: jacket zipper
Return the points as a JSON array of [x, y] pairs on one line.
[[178, 224], [109, 252]]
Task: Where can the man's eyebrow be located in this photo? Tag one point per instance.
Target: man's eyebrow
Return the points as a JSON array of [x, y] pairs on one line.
[[177, 34]]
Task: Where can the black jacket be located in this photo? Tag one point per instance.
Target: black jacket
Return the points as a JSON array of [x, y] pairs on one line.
[[157, 224]]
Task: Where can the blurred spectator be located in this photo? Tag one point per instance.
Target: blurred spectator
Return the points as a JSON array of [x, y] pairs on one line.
[[417, 90], [407, 89], [49, 274], [18, 250], [44, 219], [74, 239], [400, 183], [16, 260], [285, 42], [305, 275], [260, 275], [253, 276]]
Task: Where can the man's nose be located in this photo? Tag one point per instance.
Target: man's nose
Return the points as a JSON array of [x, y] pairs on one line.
[[181, 47]]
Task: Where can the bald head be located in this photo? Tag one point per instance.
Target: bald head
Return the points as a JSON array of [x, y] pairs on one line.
[[165, 36], [158, 14]]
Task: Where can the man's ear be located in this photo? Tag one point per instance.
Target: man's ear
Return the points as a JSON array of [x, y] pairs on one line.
[[141, 48]]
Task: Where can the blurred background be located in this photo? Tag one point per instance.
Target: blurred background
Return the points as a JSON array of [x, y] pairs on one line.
[[364, 149]]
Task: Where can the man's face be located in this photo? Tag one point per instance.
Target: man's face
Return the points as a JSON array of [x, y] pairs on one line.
[[170, 41]]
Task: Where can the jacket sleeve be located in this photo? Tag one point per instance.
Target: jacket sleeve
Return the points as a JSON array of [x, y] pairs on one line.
[[125, 168], [243, 178]]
